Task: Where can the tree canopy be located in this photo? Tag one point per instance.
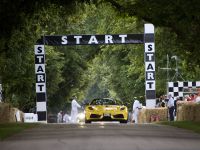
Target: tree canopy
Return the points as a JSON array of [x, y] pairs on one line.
[[94, 71]]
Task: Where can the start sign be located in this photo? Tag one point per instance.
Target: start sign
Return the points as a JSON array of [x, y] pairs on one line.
[[149, 56], [64, 40], [93, 39]]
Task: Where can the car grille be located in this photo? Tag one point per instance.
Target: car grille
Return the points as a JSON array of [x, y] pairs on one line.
[[95, 116], [118, 116]]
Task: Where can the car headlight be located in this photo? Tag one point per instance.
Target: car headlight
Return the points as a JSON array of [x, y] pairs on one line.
[[90, 108]]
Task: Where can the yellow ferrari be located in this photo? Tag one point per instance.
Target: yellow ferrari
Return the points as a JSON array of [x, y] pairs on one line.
[[106, 109]]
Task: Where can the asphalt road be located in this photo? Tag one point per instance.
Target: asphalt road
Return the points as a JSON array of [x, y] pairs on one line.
[[103, 137]]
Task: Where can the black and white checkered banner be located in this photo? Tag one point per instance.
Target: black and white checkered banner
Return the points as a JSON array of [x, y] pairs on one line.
[[182, 88], [63, 40]]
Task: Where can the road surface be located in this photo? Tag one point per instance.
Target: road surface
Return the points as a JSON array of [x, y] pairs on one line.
[[103, 137]]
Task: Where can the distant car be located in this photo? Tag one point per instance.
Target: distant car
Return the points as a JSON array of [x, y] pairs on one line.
[[106, 109], [52, 118]]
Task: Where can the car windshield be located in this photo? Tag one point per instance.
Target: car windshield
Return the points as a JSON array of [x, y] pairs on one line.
[[103, 102]]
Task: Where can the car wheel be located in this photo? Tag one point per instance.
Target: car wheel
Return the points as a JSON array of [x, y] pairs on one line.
[[87, 121], [123, 121]]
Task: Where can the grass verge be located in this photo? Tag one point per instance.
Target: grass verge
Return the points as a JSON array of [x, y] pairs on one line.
[[8, 129], [190, 125]]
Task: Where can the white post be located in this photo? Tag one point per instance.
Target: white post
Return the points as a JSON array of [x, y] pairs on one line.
[[150, 84], [1, 93], [41, 105]]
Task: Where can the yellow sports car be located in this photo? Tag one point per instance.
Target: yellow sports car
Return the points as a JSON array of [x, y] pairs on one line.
[[106, 109]]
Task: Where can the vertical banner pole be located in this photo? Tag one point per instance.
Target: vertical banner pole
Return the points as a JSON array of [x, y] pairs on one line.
[[149, 58], [1, 95], [41, 103]]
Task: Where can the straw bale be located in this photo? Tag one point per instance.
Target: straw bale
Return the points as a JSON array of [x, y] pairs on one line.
[[7, 113], [197, 112], [179, 113], [142, 116], [188, 111], [146, 114], [12, 115], [4, 112]]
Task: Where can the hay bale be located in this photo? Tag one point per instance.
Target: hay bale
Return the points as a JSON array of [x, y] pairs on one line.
[[188, 111], [142, 116], [179, 117], [8, 113], [157, 114], [4, 112], [180, 110], [197, 112], [13, 118]]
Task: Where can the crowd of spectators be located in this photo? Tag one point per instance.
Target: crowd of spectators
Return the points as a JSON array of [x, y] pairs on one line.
[[171, 102], [193, 97]]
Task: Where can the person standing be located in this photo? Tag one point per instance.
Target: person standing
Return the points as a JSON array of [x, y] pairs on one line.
[[66, 118], [74, 109], [59, 117], [17, 115], [170, 106], [136, 107]]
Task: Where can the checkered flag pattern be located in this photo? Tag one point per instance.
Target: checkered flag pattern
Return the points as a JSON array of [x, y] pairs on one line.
[[176, 88]]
